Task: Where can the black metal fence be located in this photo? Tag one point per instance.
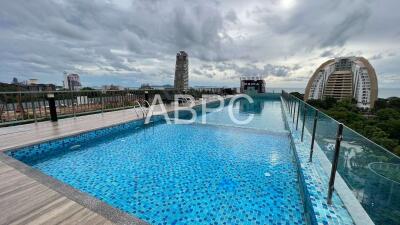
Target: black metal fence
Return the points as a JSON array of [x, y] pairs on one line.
[[24, 107]]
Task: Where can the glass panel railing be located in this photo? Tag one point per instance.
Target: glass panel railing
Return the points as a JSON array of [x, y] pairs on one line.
[[325, 135], [369, 170], [310, 114], [373, 174]]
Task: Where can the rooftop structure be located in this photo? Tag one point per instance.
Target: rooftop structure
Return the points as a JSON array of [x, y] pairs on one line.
[[344, 78], [32, 82], [72, 81], [181, 81], [216, 90], [252, 85]]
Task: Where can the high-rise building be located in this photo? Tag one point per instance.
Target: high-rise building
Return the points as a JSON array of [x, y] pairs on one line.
[[344, 78], [181, 81], [72, 82]]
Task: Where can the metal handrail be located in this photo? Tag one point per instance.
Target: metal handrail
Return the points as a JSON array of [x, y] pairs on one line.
[[32, 106], [147, 102], [313, 135], [185, 100], [339, 138], [137, 114], [141, 108]]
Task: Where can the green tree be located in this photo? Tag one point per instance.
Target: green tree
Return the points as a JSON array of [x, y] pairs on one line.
[[386, 114], [298, 95], [391, 127], [326, 103], [381, 125], [397, 150], [87, 89], [380, 104]]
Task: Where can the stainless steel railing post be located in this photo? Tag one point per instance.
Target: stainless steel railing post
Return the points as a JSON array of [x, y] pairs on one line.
[[102, 102], [123, 99], [298, 114], [73, 104], [291, 99], [33, 108], [7, 110], [294, 110], [313, 135], [339, 137], [304, 121]]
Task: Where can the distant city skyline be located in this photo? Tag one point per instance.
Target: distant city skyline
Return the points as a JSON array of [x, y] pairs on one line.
[[118, 43]]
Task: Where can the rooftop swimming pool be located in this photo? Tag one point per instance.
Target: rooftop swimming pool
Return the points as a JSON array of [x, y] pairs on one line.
[[267, 115], [185, 174]]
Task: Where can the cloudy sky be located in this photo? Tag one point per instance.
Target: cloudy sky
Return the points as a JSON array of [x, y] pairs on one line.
[[132, 42]]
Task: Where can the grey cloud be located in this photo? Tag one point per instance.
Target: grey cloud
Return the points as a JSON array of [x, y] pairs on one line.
[[196, 71], [296, 67], [279, 71], [351, 25], [322, 23], [376, 57], [250, 69], [65, 29], [327, 53], [204, 73], [231, 16], [206, 66], [138, 41], [82, 33]]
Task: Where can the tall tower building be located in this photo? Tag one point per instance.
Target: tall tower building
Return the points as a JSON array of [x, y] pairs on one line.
[[181, 81], [345, 77]]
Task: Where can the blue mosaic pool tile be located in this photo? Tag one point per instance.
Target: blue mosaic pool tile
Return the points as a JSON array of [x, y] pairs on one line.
[[316, 180], [181, 174]]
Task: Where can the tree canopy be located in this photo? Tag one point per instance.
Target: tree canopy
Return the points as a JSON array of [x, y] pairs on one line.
[[381, 124]]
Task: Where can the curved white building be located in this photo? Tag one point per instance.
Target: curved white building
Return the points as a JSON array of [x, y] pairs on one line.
[[346, 77]]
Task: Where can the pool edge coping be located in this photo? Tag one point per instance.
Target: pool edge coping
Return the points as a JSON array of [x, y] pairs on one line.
[[308, 207], [68, 134]]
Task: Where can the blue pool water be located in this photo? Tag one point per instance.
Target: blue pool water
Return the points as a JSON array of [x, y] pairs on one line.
[[267, 115], [184, 174]]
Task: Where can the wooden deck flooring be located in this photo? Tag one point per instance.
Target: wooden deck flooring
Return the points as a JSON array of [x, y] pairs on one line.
[[24, 200], [16, 136]]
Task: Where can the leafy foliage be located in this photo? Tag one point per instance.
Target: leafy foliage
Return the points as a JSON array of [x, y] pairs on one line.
[[381, 125], [298, 95], [88, 89]]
